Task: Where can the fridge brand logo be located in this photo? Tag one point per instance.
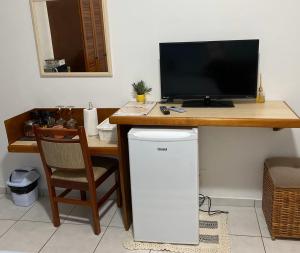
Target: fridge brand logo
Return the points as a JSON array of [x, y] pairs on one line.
[[162, 149]]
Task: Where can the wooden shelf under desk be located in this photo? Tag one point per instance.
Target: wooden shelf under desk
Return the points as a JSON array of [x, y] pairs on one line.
[[271, 114]]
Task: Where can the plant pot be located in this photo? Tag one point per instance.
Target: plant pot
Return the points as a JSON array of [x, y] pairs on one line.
[[141, 98]]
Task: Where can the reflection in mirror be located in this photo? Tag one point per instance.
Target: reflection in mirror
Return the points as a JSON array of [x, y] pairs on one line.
[[71, 37]]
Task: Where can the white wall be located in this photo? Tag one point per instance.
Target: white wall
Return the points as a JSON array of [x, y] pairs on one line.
[[231, 157]]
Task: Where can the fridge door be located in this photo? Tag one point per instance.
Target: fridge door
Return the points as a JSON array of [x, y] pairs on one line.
[[164, 185]]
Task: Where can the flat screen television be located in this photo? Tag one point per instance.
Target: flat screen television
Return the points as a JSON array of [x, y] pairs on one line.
[[201, 73]]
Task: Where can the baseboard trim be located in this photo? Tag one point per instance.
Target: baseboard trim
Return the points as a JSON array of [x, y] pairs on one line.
[[236, 202], [215, 201]]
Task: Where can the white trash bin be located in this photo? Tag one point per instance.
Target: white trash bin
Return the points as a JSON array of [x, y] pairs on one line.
[[23, 184]]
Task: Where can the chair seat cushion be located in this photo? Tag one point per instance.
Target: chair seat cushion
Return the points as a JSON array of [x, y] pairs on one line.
[[285, 171], [77, 175]]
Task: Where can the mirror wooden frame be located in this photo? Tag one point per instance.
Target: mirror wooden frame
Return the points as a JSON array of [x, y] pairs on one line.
[[72, 74]]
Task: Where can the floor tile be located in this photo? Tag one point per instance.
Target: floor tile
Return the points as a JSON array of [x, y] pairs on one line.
[[262, 223], [117, 220], [1, 195], [245, 244], [112, 242], [27, 236], [241, 220], [9, 211], [281, 246], [41, 211], [82, 215], [5, 225], [73, 238]]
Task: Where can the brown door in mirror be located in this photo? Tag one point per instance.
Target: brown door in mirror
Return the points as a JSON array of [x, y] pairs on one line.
[[100, 40], [77, 32]]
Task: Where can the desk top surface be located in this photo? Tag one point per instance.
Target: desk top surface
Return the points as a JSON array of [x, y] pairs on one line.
[[273, 114]]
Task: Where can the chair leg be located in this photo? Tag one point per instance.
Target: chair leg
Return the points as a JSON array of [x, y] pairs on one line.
[[119, 194], [54, 207], [95, 213], [82, 195]]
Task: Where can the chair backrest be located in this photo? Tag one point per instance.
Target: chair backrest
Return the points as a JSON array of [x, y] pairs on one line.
[[63, 155], [61, 149]]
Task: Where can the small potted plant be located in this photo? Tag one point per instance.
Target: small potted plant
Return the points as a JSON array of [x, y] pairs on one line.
[[141, 90]]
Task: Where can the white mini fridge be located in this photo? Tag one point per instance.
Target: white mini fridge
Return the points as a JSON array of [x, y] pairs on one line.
[[164, 185]]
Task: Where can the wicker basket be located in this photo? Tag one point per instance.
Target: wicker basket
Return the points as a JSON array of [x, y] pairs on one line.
[[281, 205]]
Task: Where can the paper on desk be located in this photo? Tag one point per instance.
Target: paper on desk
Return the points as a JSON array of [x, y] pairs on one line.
[[133, 108]]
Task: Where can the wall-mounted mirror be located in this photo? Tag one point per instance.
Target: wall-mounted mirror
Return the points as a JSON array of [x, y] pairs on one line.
[[71, 37]]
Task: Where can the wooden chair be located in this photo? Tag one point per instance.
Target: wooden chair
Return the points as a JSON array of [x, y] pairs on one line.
[[68, 164]]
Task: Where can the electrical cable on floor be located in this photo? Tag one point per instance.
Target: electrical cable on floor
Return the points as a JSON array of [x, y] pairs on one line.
[[202, 199]]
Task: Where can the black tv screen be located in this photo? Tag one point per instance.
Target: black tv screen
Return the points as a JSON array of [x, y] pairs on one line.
[[215, 69]]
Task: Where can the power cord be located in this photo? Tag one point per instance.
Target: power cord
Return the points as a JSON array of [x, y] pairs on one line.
[[202, 199]]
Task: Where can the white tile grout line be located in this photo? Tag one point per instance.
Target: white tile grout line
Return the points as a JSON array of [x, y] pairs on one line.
[[27, 211], [19, 219], [59, 228], [261, 237], [264, 244], [257, 222], [16, 221], [73, 206], [100, 240], [8, 228], [71, 209], [112, 217], [106, 229], [49, 239], [62, 223]]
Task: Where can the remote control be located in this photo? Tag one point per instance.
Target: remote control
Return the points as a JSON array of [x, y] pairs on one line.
[[177, 109], [164, 110]]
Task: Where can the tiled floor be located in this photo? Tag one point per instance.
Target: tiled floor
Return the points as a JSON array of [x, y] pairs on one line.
[[30, 230]]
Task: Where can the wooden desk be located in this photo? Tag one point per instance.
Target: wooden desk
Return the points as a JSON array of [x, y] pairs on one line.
[[272, 114], [15, 130]]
